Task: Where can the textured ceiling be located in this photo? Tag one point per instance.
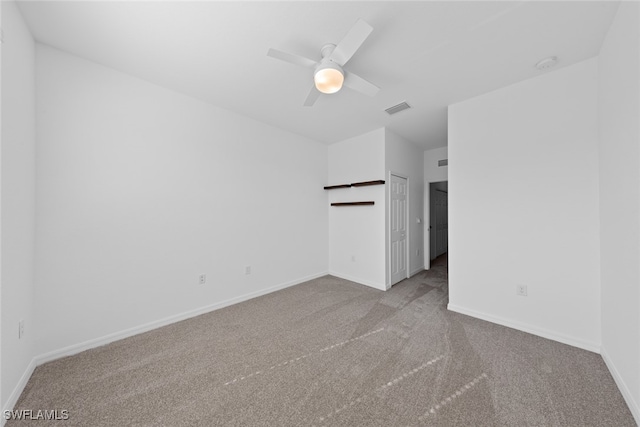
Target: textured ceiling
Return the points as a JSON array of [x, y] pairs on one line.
[[430, 54]]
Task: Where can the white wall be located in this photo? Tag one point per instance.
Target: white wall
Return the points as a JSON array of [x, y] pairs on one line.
[[523, 206], [432, 173], [18, 202], [405, 159], [141, 189], [358, 232], [620, 201]]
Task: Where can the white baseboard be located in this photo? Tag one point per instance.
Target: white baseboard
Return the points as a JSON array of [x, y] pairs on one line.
[[106, 339], [572, 341], [17, 391], [378, 286], [97, 342], [634, 406]]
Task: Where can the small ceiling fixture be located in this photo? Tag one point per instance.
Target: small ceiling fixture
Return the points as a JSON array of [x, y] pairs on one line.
[[547, 63]]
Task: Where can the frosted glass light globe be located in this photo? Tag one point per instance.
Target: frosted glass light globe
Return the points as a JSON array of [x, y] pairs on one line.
[[328, 79]]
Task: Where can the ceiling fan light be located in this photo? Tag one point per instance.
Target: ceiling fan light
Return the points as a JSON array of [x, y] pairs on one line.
[[328, 79]]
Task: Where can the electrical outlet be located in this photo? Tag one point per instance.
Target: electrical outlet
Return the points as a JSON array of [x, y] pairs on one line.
[[202, 279], [417, 252], [353, 258], [20, 329], [521, 290], [247, 269]]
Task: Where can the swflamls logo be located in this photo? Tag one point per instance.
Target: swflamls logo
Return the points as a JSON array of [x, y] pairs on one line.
[[30, 414]]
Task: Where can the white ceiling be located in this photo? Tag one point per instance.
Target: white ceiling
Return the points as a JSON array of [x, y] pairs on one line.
[[430, 54]]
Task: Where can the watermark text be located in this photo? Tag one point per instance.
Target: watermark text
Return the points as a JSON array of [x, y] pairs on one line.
[[40, 414]]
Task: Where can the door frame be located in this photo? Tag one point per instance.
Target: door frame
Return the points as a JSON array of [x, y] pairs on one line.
[[388, 228]]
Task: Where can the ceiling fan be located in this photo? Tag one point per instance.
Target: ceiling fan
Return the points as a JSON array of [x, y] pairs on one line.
[[329, 75]]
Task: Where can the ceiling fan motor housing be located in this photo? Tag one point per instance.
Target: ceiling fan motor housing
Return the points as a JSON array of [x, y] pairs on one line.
[[327, 50]]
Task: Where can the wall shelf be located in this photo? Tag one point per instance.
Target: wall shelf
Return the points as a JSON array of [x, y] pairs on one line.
[[333, 187], [355, 184], [353, 204], [366, 183]]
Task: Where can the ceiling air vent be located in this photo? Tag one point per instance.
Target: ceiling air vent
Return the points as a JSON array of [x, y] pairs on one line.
[[397, 108], [444, 162]]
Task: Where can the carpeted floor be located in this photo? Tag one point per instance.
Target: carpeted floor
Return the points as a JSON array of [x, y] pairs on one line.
[[332, 353]]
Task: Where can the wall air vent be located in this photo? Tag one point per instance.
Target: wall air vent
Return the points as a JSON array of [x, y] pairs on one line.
[[444, 162], [397, 108]]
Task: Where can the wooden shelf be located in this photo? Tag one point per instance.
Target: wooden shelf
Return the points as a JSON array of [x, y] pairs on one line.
[[353, 204], [332, 187], [355, 184], [365, 183]]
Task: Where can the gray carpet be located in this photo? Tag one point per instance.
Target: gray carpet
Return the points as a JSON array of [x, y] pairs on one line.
[[332, 353]]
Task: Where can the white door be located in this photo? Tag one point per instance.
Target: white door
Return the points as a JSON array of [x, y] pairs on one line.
[[442, 222], [398, 228]]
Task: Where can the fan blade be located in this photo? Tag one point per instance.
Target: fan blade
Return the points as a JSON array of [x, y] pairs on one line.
[[313, 96], [351, 42], [290, 57], [356, 82]]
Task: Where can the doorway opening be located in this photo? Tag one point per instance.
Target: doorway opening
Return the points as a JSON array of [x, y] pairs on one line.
[[438, 221]]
